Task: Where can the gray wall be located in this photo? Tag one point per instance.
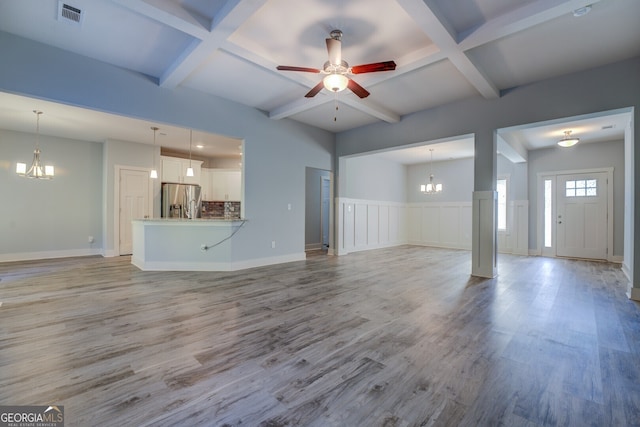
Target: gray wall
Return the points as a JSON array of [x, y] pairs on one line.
[[276, 151], [372, 178], [581, 156], [40, 216], [456, 177], [518, 178]]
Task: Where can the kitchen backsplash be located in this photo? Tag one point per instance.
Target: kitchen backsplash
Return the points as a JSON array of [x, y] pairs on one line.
[[229, 210]]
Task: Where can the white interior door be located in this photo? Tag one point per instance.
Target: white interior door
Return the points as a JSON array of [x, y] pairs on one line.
[[135, 203], [581, 229]]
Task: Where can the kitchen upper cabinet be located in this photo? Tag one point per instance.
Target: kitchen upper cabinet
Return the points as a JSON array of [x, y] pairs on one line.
[[224, 185], [205, 184], [174, 169]]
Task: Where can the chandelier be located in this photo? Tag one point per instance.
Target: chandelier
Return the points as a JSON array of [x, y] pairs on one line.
[[37, 170], [431, 187]]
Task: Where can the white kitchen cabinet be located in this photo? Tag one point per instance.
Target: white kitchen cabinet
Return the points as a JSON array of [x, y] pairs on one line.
[[224, 184], [205, 184], [174, 169]]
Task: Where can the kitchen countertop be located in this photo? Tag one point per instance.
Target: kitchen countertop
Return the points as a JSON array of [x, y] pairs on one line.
[[196, 221]]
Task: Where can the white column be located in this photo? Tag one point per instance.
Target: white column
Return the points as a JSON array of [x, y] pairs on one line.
[[484, 246], [483, 241]]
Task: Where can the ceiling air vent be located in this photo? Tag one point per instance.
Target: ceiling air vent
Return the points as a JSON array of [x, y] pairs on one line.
[[68, 13]]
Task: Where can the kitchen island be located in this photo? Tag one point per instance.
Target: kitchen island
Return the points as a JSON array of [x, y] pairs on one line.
[[168, 244]]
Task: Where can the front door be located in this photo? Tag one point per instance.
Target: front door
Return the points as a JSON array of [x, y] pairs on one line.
[[135, 203], [581, 230]]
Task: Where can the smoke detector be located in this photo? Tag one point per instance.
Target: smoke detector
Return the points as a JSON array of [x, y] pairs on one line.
[[69, 14]]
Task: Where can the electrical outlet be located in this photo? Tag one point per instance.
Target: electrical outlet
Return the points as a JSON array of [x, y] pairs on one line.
[[91, 239], [273, 244]]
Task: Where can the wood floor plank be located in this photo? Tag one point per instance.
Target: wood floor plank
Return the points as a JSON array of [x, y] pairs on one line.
[[392, 337]]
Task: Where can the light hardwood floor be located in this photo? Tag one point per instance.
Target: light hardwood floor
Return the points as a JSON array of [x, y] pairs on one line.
[[393, 337]]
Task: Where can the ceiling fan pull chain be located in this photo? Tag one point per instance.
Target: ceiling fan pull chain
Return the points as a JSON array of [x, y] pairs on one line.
[[335, 102]]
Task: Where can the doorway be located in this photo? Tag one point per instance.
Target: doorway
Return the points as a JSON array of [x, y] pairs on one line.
[[134, 202], [576, 214], [325, 210], [318, 210]]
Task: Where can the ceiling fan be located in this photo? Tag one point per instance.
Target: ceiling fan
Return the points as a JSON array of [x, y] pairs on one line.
[[337, 70]]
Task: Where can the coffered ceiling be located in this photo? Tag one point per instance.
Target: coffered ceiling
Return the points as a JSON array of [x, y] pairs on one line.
[[445, 50]]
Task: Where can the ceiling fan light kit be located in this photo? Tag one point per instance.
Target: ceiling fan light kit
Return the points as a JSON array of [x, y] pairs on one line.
[[335, 82], [337, 71]]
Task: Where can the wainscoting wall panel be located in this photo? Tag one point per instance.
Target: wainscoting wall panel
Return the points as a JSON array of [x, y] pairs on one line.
[[443, 225], [515, 240], [372, 224]]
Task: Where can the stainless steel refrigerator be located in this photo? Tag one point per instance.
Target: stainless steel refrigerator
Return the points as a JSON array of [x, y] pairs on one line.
[[181, 201]]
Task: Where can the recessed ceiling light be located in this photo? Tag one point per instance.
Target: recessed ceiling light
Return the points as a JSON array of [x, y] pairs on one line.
[[200, 146], [581, 11]]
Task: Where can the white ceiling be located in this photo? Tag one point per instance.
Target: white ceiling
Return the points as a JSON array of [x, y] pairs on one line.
[[445, 50]]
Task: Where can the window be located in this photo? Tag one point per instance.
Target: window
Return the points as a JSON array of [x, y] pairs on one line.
[[581, 188], [548, 185], [501, 186]]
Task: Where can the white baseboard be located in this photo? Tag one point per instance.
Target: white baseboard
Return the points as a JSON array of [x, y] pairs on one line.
[[215, 266], [633, 293], [30, 256], [345, 251], [626, 271]]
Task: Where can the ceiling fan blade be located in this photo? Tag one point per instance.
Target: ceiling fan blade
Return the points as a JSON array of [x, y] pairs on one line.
[[372, 68], [313, 92], [357, 89], [334, 49], [303, 69]]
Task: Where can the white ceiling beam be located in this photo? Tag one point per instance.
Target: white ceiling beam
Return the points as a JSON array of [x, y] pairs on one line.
[[233, 14], [518, 20], [170, 14], [299, 106], [206, 40], [363, 105], [441, 34], [369, 107]]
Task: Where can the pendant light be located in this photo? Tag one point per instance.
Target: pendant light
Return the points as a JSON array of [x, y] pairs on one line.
[[431, 187], [36, 170], [568, 140], [190, 169], [154, 173]]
